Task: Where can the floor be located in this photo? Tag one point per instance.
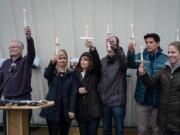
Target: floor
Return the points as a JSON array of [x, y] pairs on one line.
[[73, 131]]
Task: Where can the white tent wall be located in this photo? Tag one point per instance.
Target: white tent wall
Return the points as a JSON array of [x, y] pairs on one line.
[[66, 19]]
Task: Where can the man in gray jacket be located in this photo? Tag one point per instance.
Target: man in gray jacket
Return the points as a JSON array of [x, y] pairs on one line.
[[113, 86]]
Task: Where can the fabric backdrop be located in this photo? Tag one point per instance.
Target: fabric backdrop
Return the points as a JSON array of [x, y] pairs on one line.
[[67, 19]]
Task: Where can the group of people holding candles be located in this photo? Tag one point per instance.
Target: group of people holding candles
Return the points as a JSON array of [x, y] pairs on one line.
[[101, 88], [97, 88]]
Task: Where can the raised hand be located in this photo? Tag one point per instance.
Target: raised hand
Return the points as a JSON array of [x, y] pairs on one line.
[[54, 59], [88, 44], [131, 47], [141, 69], [27, 32]]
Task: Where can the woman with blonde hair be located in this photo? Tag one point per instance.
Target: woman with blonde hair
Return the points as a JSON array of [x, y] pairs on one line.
[[63, 91]]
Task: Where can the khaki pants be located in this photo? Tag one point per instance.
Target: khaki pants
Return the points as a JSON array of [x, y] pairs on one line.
[[146, 118]]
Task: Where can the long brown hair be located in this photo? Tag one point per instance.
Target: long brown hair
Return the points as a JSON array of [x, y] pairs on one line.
[[87, 55]]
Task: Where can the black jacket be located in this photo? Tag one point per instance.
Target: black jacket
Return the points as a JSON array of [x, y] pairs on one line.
[[63, 91], [169, 107], [88, 105]]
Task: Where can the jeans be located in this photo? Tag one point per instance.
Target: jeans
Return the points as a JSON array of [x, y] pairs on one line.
[[118, 115], [170, 132], [28, 97], [89, 127]]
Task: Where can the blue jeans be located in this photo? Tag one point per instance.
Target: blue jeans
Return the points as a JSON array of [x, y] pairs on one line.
[[170, 132], [118, 115], [89, 127]]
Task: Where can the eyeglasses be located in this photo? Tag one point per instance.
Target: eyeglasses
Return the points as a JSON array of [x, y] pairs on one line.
[[13, 47]]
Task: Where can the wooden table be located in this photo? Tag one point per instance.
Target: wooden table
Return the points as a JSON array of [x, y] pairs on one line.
[[17, 117]]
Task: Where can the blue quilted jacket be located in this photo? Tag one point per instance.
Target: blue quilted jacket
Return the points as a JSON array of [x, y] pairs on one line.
[[155, 63]]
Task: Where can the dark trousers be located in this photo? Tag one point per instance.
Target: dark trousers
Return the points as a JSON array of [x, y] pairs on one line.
[[89, 127], [27, 97], [54, 127], [118, 115], [60, 126], [170, 132]]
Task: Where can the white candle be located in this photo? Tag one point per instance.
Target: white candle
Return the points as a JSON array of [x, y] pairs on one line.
[[132, 37], [24, 16], [57, 50], [57, 45], [86, 34], [177, 34], [86, 30], [142, 54], [107, 29], [57, 41], [132, 31]]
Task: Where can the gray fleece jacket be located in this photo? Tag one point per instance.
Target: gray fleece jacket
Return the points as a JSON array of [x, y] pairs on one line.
[[113, 79]]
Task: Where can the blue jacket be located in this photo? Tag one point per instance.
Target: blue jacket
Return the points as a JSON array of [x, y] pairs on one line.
[[155, 63], [63, 91]]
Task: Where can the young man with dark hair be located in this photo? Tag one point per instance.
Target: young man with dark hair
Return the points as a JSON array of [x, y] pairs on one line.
[[147, 100]]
